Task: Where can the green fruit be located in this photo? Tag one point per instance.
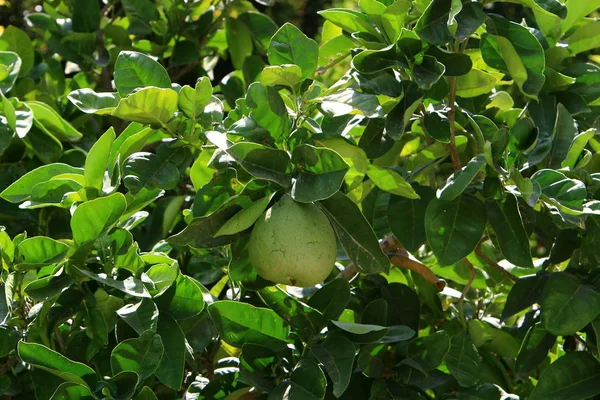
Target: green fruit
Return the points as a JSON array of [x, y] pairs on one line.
[[293, 243]]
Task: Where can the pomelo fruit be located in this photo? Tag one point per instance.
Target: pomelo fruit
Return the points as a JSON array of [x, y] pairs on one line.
[[293, 243]]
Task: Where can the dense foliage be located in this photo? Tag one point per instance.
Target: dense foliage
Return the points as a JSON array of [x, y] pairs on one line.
[[452, 145]]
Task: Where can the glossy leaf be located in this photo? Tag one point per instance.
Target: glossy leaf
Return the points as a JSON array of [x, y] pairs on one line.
[[320, 173], [135, 70], [290, 46], [355, 234], [505, 218], [463, 360], [568, 305], [391, 181], [454, 227], [510, 47], [149, 105], [571, 377], [140, 355], [240, 323], [460, 180], [95, 217], [170, 370], [42, 357], [336, 353], [406, 217]]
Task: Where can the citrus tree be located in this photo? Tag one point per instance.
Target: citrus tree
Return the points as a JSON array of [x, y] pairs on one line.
[[202, 201]]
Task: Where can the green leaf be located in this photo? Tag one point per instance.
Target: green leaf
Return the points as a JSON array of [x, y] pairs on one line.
[[171, 368], [573, 376], [16, 40], [183, 299], [336, 353], [21, 189], [349, 20], [200, 233], [460, 180], [543, 114], [331, 299], [371, 61], [454, 227], [565, 132], [577, 147], [145, 394], [41, 249], [121, 385], [149, 105], [355, 234], [49, 360], [45, 146], [511, 48], [475, 83], [406, 217], [131, 286], [393, 18], [361, 333], [399, 117], [10, 65], [96, 162], [86, 16], [91, 102], [290, 46], [245, 218], [428, 72], [193, 101], [391, 181], [307, 381], [135, 70], [560, 190], [429, 351], [525, 292], [301, 317], [239, 41], [48, 287], [456, 64], [289, 75], [72, 391], [268, 109], [260, 161], [433, 25], [437, 126], [261, 27], [53, 122], [147, 171], [349, 101], [9, 338], [141, 316], [320, 173], [505, 219], [141, 355], [568, 305], [95, 217], [463, 360], [240, 323]]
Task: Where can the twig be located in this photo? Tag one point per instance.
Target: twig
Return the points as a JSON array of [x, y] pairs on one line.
[[59, 340], [489, 261], [400, 258], [461, 308], [402, 261], [451, 119]]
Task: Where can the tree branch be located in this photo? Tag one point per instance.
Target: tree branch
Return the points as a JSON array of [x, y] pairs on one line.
[[494, 265], [400, 258], [451, 119]]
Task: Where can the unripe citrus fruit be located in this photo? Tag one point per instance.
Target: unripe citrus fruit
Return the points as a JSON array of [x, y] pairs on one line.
[[293, 243]]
